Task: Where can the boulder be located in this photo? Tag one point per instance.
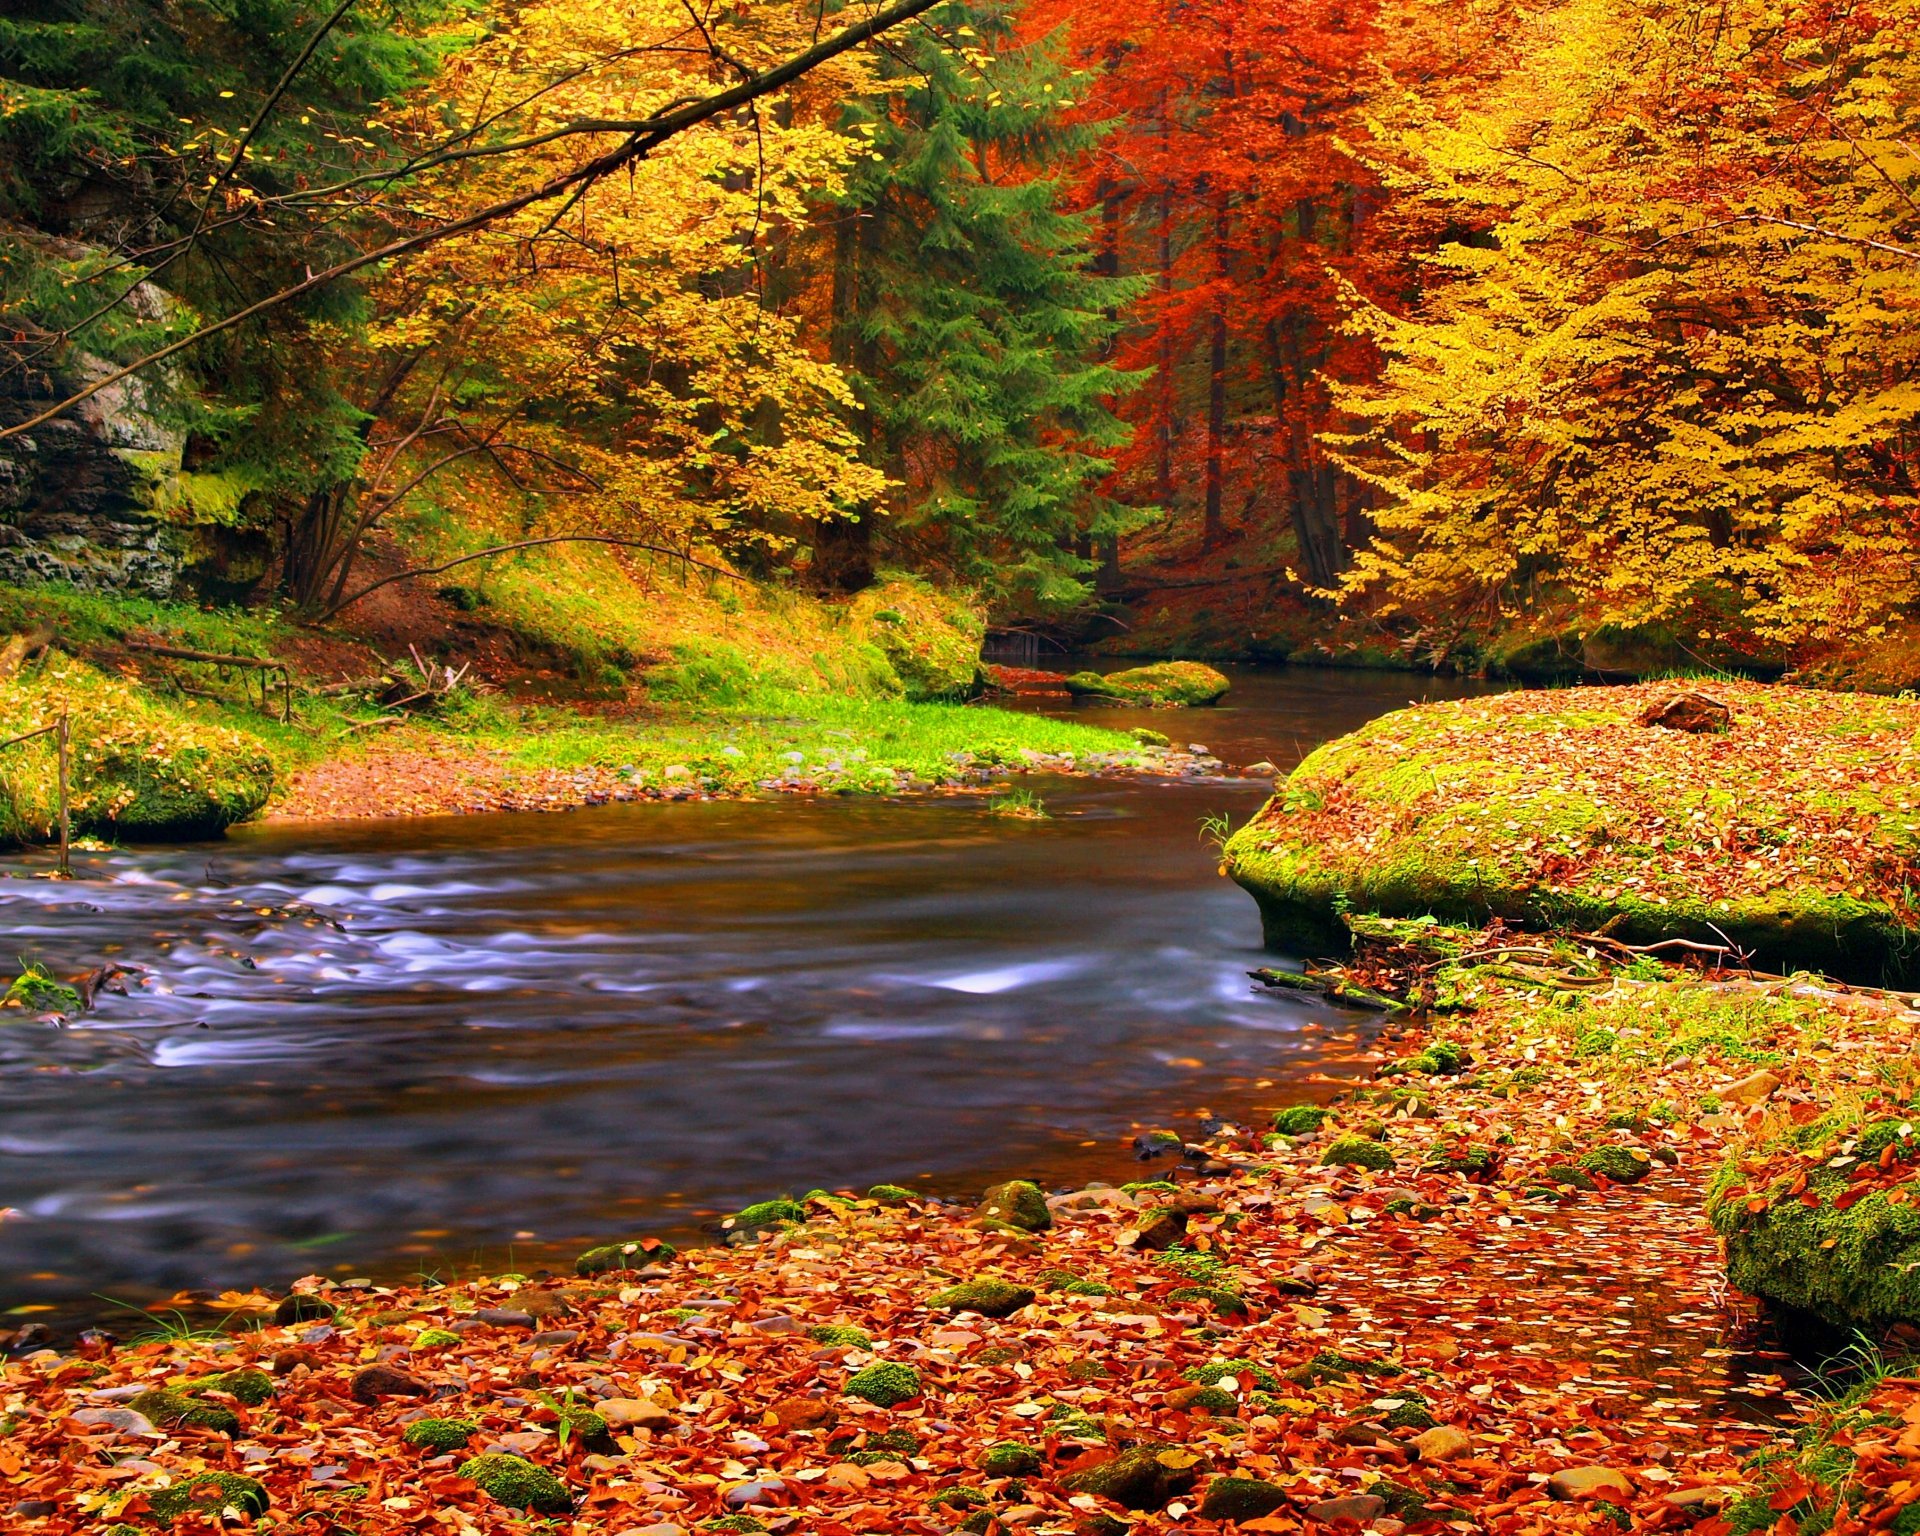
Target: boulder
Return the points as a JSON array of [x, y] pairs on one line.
[[1698, 714], [1164, 684]]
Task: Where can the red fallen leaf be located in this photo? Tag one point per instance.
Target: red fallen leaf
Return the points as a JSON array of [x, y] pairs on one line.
[[1851, 1196], [1758, 1204]]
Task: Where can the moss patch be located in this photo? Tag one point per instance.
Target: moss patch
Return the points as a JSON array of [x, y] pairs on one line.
[[1164, 684], [210, 1493], [518, 1484], [885, 1384]]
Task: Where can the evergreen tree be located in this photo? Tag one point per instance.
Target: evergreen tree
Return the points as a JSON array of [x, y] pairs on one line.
[[971, 315]]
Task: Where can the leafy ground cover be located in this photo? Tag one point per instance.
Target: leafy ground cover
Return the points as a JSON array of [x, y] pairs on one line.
[[1513, 1322], [1792, 833]]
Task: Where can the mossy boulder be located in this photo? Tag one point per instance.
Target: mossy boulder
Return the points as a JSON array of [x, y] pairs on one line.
[[1241, 1498], [1440, 1059], [1851, 1260], [139, 769], [1357, 1152], [518, 1484], [1143, 1478], [885, 1384], [763, 1216], [1245, 1372], [988, 1296], [1009, 1458], [440, 1435], [891, 1194], [1016, 1203], [1561, 810], [634, 1253], [172, 1409], [210, 1494], [1618, 1165], [1300, 1119], [246, 1385], [840, 1336], [1164, 684], [931, 639]]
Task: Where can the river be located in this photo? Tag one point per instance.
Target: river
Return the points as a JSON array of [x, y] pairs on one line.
[[387, 1047]]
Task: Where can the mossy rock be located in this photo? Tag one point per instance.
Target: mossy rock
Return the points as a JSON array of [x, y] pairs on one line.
[[138, 768], [35, 990], [1420, 812], [891, 1194], [1331, 1365], [1018, 1203], [840, 1336], [1241, 1498], [1567, 1175], [170, 1409], [436, 1338], [1440, 1059], [1300, 1119], [440, 1435], [1143, 1478], [733, 1523], [1243, 1371], [1357, 1152], [931, 639], [764, 1216], [208, 1493], [246, 1385], [1618, 1165], [1164, 684], [1009, 1458], [1412, 1411], [634, 1253], [885, 1384], [1218, 1297], [1471, 1162], [518, 1484], [960, 1498], [987, 1296], [1857, 1268], [1149, 738]]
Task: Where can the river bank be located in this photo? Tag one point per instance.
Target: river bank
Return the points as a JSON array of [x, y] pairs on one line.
[[1393, 1314]]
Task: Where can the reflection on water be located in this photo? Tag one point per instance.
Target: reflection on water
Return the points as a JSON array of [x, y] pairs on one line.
[[362, 1047]]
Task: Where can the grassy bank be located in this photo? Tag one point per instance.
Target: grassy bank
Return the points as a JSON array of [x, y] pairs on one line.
[[1790, 833]]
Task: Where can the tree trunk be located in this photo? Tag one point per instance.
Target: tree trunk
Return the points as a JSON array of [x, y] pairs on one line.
[[1214, 529], [842, 546]]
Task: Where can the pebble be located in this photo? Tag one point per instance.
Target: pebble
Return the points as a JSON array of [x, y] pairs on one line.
[[761, 1491], [373, 1382], [122, 1420], [1364, 1507], [1444, 1442], [1589, 1482], [633, 1413]]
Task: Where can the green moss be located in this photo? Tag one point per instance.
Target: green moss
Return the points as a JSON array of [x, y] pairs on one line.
[[885, 1384], [1140, 1478], [1568, 1175], [208, 1493], [1243, 1371], [435, 1338], [1300, 1119], [138, 768], [1017, 1203], [765, 1216], [1473, 1162], [891, 1194], [1331, 1365], [518, 1484], [1162, 684], [249, 1386], [174, 1410], [959, 1498], [1241, 1498], [34, 990], [733, 1523], [988, 1296], [930, 639], [441, 1435], [634, 1253], [1009, 1458], [1617, 1164], [840, 1336], [1411, 1411], [1213, 1399], [1440, 1059], [1857, 1268], [1218, 1297], [1358, 1152]]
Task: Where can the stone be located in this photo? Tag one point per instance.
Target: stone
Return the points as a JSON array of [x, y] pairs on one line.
[[778, 1325], [301, 1308], [373, 1382], [1707, 1499], [503, 1317], [1696, 713], [122, 1421], [553, 1338], [518, 1484], [1444, 1442], [1755, 1088], [1161, 1229], [1590, 1483], [1241, 1498], [1017, 1203], [1152, 1144], [633, 1413], [36, 1509], [763, 1490], [1364, 1508], [791, 1413], [1144, 1478]]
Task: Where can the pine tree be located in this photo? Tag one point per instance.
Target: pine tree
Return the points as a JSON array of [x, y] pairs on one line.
[[970, 311]]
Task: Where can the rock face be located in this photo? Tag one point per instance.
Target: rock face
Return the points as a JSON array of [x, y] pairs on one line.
[[82, 496]]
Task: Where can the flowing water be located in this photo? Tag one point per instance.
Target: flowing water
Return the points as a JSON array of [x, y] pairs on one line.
[[371, 1048]]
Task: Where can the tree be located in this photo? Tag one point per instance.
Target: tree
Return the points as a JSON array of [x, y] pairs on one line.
[[971, 315]]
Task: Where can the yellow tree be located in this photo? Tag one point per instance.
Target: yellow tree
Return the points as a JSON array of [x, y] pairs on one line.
[[1663, 371]]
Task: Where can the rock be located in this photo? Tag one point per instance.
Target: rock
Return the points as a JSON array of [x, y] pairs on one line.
[[1260, 770], [1161, 1229], [1164, 683], [29, 1337], [764, 1490], [791, 1413], [1590, 1483], [523, 1443], [554, 1338], [36, 1509], [1144, 1478], [440, 1435], [121, 1420], [502, 1317], [518, 1484], [885, 1383], [1357, 1152], [373, 1382], [1617, 1164], [208, 1493], [1755, 1088], [1696, 713], [1152, 1144], [1707, 1499], [1017, 1203], [778, 1325], [1241, 1498], [1009, 1458], [987, 1296], [633, 1413], [631, 1254], [176, 1410], [1444, 1442], [1364, 1508], [301, 1308]]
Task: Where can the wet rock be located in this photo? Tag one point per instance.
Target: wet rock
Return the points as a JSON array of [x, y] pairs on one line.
[[1144, 1478], [30, 1337], [1017, 1203], [1362, 1507], [1590, 1483], [301, 1308], [1696, 713], [1444, 1442], [373, 1382], [1152, 1144]]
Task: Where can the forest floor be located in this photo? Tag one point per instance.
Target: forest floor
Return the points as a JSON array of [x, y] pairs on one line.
[[1392, 1316]]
